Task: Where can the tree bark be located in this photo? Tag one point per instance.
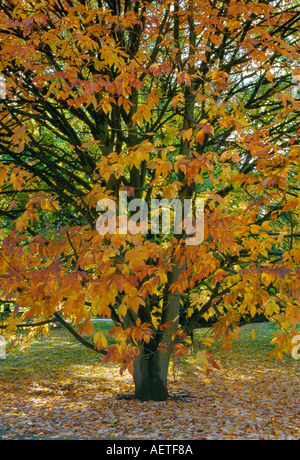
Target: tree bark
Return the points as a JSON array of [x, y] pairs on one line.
[[150, 376]]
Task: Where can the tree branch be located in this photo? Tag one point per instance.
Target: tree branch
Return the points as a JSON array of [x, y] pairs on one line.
[[78, 337]]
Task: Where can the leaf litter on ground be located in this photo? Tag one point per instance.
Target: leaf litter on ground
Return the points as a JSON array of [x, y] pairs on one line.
[[58, 390]]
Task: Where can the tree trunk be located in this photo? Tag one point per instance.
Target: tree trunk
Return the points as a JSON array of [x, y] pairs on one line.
[[150, 376], [151, 367]]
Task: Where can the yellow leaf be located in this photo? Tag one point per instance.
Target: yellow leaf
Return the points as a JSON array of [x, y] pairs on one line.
[[187, 134], [12, 323], [216, 39], [263, 252], [122, 309], [253, 334], [252, 310], [100, 340], [208, 341], [3, 174], [269, 76], [200, 137], [271, 308], [153, 68], [255, 229], [265, 226]]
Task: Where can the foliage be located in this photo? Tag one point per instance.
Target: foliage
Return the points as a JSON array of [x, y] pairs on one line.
[[159, 99]]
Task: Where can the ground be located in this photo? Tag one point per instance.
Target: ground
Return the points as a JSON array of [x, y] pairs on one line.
[[59, 390]]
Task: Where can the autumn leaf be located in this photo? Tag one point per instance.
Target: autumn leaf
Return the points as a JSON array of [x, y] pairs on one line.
[[100, 340], [184, 78]]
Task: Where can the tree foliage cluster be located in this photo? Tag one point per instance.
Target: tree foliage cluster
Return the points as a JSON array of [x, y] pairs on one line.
[[161, 99]]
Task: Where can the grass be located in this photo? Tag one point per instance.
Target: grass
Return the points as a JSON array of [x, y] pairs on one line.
[[245, 343], [54, 353], [59, 351]]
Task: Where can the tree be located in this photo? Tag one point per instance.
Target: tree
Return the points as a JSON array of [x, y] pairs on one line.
[[178, 100]]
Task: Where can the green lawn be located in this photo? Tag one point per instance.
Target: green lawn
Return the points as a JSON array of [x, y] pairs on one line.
[[57, 350]]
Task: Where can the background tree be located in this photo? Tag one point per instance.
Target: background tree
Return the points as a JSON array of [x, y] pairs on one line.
[[160, 99]]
